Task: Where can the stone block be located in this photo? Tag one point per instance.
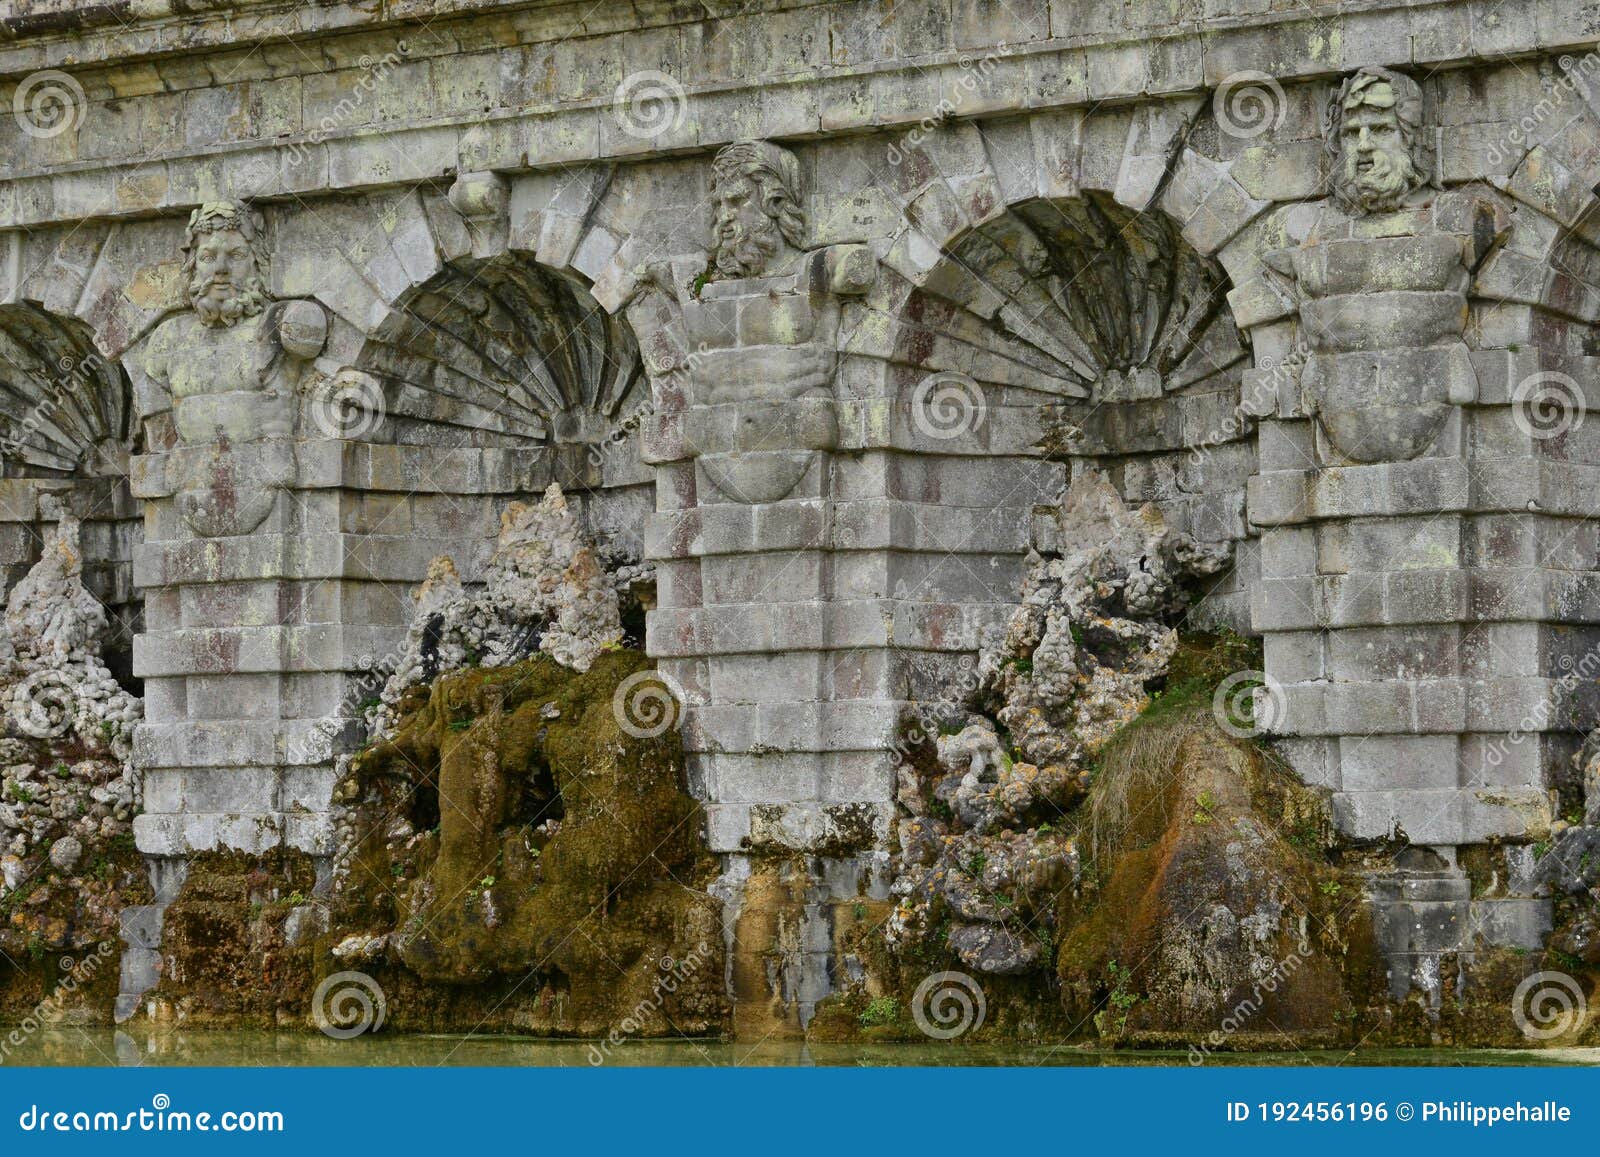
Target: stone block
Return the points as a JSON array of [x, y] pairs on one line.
[[1511, 922], [1395, 762], [140, 925]]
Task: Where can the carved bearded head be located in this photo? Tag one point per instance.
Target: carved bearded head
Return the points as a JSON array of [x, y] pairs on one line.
[[224, 260], [759, 222], [1373, 132]]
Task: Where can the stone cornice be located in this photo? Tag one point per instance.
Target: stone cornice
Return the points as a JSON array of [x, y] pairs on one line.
[[542, 130]]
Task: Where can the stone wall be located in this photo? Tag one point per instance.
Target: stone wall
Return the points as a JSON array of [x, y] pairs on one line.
[[1029, 239]]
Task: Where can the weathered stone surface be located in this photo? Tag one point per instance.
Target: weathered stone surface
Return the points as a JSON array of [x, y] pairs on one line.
[[815, 328]]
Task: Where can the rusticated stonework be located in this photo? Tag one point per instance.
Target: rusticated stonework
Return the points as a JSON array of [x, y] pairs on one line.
[[814, 312]]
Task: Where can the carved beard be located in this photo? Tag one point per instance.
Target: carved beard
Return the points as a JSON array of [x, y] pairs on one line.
[[1382, 186], [747, 252], [237, 301]]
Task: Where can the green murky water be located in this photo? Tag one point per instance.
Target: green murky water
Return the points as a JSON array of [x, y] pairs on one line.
[[73, 1046]]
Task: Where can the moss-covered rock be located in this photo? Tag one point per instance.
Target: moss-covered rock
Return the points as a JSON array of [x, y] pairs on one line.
[[1208, 905], [512, 826]]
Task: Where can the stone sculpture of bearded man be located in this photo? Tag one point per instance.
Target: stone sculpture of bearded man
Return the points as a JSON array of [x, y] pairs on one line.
[[223, 263], [231, 367], [759, 224], [1373, 133]]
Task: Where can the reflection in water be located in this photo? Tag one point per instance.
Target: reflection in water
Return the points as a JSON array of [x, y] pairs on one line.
[[103, 1046]]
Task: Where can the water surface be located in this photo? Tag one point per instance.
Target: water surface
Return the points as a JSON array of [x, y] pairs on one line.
[[103, 1046]]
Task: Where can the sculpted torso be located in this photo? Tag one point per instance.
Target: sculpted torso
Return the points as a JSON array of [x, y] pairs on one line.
[[231, 366], [218, 388], [1381, 282]]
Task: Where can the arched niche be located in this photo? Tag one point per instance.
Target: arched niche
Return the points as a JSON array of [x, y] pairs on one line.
[[66, 429], [1097, 337], [501, 352]]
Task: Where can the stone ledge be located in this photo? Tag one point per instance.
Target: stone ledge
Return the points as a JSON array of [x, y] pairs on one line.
[[182, 835], [836, 627], [829, 98], [245, 650], [209, 745], [835, 725], [1464, 816], [265, 557], [1446, 706]]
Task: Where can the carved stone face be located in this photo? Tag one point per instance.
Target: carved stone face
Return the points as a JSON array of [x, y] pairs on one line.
[[225, 284], [747, 235], [1374, 166]]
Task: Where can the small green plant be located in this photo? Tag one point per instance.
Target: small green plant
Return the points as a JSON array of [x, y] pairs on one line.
[[61, 770], [460, 724], [1329, 887], [1121, 999], [880, 1010], [859, 911], [1566, 960], [295, 898], [21, 793]]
